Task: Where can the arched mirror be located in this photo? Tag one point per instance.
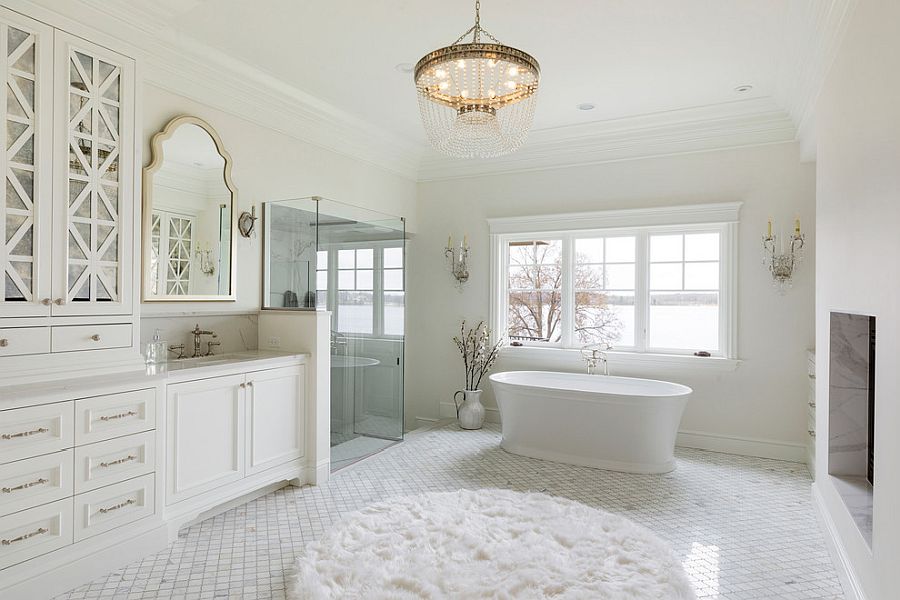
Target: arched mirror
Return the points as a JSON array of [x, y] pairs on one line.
[[189, 216]]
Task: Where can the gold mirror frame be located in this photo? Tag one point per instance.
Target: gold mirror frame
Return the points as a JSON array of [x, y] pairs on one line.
[[149, 171]]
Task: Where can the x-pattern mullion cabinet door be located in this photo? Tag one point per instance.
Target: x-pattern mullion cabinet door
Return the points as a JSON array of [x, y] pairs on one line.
[[93, 191], [25, 197]]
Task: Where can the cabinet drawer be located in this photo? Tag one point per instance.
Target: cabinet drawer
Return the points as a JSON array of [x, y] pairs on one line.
[[114, 460], [35, 430], [113, 506], [17, 341], [35, 531], [34, 481], [71, 338], [104, 417]]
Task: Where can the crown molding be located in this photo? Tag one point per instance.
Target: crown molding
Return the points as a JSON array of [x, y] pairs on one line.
[[701, 129], [818, 27], [171, 61]]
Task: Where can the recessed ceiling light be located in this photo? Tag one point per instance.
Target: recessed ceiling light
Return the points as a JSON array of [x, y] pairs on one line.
[[586, 106], [405, 67], [743, 89]]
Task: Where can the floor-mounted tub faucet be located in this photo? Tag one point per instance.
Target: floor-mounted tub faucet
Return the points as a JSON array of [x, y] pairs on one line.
[[595, 354]]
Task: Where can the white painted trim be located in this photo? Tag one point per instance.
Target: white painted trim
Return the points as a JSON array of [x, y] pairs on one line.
[[852, 587], [570, 359], [742, 446], [690, 214]]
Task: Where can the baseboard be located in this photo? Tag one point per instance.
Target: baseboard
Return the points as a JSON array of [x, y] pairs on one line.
[[852, 588], [448, 411], [744, 446]]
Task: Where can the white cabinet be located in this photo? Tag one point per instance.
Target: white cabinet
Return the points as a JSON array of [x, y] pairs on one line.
[[67, 205], [275, 408], [222, 430], [93, 163], [27, 136], [205, 435]]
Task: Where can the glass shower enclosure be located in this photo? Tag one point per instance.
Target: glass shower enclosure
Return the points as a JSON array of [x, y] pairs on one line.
[[324, 255]]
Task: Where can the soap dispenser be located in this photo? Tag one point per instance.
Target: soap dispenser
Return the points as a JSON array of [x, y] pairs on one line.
[[156, 350]]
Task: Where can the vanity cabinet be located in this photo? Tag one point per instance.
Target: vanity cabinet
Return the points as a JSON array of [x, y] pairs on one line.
[[67, 207], [224, 429]]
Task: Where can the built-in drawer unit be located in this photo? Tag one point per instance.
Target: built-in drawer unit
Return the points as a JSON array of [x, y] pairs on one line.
[[72, 338], [113, 506], [35, 531], [35, 430], [104, 417], [18, 341], [35, 481], [114, 460]]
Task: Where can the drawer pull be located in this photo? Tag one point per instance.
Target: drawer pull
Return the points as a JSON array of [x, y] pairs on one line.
[[123, 415], [9, 436], [812, 376], [24, 486], [811, 433], [96, 337], [24, 536], [46, 302], [128, 502], [113, 463], [59, 302], [812, 404], [4, 343]]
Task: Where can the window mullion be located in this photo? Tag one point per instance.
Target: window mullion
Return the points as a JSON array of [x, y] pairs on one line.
[[642, 291], [378, 291], [567, 293]]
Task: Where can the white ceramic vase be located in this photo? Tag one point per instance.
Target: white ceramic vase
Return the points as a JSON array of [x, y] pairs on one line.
[[471, 411]]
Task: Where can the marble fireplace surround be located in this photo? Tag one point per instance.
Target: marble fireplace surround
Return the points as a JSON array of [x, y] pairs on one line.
[[850, 359]]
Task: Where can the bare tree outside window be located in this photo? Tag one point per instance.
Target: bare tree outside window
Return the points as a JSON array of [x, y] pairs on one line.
[[535, 296]]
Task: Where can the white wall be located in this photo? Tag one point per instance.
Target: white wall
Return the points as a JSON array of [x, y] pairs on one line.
[[763, 399], [269, 165], [858, 207]]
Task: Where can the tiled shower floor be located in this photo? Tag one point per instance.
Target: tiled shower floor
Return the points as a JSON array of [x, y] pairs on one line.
[[744, 527]]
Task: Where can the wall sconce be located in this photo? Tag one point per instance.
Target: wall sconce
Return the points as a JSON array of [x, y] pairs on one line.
[[458, 258], [781, 263], [247, 222], [207, 265]]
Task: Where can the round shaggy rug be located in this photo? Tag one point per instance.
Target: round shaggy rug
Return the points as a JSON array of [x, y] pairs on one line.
[[488, 544]]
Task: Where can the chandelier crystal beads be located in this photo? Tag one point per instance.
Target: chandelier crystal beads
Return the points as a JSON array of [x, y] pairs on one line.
[[477, 99]]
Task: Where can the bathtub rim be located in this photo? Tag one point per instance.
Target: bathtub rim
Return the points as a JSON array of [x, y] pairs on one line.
[[685, 391]]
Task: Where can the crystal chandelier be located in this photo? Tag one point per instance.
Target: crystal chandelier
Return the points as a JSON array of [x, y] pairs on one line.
[[477, 99]]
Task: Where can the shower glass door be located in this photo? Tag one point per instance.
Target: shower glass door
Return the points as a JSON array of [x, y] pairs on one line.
[[325, 255]]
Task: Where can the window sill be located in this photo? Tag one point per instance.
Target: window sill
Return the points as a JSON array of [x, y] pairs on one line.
[[569, 357]]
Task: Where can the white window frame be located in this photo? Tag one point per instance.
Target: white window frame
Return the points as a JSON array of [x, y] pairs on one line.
[[377, 285], [721, 218]]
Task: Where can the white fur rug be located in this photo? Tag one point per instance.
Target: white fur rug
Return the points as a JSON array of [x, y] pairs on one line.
[[488, 544]]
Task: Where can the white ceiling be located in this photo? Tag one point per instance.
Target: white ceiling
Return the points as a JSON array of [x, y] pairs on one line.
[[661, 73], [627, 57]]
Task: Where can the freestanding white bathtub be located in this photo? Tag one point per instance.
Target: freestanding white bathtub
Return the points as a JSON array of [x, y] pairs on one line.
[[617, 423]]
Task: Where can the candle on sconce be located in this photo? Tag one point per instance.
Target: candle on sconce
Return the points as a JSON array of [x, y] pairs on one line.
[[797, 226], [466, 241], [449, 241], [770, 228]]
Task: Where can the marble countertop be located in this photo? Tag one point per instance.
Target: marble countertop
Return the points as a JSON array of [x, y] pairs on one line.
[[177, 370], [189, 367]]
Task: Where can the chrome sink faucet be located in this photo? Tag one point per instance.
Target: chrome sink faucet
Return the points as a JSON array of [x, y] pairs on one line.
[[198, 333]]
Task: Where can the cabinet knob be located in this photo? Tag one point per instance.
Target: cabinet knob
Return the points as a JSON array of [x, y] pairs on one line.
[[243, 386], [4, 343], [96, 337], [46, 301], [249, 384], [59, 302]]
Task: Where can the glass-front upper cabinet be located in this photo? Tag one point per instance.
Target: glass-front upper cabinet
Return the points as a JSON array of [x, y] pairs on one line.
[[94, 170], [25, 207]]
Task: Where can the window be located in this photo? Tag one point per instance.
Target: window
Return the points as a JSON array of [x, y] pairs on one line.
[[660, 288], [364, 287]]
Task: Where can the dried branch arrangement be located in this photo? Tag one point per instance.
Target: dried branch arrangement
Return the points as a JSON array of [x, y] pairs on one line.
[[478, 354]]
